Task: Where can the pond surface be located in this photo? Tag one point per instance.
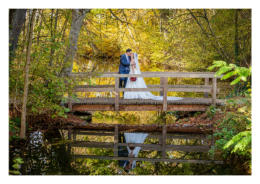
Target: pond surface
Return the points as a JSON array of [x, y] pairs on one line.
[[47, 154]]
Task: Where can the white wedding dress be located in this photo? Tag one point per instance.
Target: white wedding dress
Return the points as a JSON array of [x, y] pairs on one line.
[[140, 83], [135, 138]]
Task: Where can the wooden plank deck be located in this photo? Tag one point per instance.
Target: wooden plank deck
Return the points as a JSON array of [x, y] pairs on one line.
[[108, 104], [111, 101]]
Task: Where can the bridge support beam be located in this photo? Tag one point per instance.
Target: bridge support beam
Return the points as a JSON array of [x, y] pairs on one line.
[[164, 136], [116, 141], [117, 93], [206, 83], [165, 89], [69, 138], [214, 91]]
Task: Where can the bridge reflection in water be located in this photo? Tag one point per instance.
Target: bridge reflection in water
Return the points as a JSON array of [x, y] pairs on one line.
[[164, 134]]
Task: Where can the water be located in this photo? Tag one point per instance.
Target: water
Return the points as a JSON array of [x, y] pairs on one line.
[[41, 156], [45, 153]]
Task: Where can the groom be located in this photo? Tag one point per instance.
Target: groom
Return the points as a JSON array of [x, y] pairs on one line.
[[124, 67]]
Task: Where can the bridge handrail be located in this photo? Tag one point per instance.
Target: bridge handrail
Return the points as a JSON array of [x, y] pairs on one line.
[[148, 74], [163, 87]]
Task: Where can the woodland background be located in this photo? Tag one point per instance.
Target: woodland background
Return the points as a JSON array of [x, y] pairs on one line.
[[45, 45]]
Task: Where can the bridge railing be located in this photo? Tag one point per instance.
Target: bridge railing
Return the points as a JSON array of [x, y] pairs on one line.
[[163, 88]]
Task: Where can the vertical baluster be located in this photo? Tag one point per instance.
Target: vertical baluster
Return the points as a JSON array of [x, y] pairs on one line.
[[117, 93], [161, 84], [214, 91], [164, 132], [69, 138], [206, 95], [74, 134], [213, 144], [160, 137], [69, 101], [116, 141], [165, 89]]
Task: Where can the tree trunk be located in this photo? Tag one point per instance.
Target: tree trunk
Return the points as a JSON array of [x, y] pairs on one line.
[[77, 20], [53, 34], [236, 47], [236, 38], [164, 13], [26, 77], [16, 21]]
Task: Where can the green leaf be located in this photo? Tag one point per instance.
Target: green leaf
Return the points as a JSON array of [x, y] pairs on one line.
[[235, 81], [19, 160], [241, 141], [212, 67], [66, 110], [220, 63], [243, 78], [228, 75], [223, 69], [16, 166], [232, 65], [217, 64], [14, 172]]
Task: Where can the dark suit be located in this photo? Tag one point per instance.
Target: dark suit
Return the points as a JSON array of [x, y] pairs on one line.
[[124, 68], [122, 152]]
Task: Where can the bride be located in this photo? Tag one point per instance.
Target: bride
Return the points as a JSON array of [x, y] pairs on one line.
[[140, 83]]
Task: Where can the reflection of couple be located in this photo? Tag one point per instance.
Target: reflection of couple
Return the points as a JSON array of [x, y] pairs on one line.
[[130, 150], [129, 65]]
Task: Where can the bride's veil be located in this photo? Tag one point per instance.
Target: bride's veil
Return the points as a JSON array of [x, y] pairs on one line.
[[137, 64], [140, 80]]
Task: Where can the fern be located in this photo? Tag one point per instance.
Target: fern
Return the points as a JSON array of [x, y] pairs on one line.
[[240, 143], [230, 70]]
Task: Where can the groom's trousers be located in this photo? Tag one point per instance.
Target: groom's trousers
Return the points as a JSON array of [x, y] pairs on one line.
[[122, 82]]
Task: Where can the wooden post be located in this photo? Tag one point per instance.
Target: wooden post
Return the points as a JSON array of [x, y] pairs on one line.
[[164, 136], [214, 91], [206, 95], [165, 89], [117, 93], [162, 84], [116, 141], [74, 134], [213, 144], [160, 137], [69, 101], [69, 138]]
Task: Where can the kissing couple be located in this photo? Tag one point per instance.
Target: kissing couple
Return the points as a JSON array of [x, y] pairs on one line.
[[129, 64]]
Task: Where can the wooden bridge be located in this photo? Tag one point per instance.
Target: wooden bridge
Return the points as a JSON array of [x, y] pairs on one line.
[[164, 134], [119, 104]]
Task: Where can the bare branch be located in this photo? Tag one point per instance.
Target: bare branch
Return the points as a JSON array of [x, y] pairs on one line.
[[114, 15], [218, 48]]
